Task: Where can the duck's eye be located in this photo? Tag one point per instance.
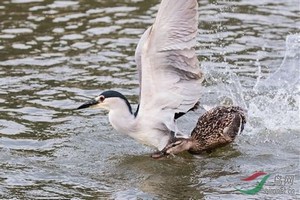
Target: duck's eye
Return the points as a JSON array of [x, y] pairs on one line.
[[101, 98]]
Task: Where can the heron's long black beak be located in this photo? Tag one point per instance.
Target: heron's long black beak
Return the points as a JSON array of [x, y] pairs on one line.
[[88, 104]]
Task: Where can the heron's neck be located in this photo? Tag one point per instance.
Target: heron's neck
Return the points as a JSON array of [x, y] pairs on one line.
[[121, 117]]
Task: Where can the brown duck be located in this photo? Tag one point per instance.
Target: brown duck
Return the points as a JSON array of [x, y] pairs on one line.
[[215, 128]]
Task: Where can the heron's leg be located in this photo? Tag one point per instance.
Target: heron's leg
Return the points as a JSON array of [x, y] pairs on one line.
[[171, 143], [163, 152], [172, 138]]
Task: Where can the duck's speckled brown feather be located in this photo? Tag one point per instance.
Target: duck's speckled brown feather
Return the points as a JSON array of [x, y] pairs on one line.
[[217, 127]]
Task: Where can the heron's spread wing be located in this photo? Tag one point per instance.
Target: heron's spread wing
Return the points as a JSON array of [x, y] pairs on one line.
[[170, 77], [138, 54]]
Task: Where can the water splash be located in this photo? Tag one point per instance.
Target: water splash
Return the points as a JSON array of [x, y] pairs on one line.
[[275, 100], [287, 75], [272, 104], [222, 87]]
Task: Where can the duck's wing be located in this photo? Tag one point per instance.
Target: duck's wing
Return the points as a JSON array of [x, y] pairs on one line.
[[235, 127], [170, 78]]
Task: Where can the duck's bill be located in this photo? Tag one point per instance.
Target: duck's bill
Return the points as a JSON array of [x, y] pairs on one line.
[[88, 104], [159, 154]]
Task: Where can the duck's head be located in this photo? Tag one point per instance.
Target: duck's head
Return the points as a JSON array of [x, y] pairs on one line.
[[180, 145]]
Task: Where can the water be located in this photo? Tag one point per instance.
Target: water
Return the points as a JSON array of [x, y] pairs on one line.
[[56, 54]]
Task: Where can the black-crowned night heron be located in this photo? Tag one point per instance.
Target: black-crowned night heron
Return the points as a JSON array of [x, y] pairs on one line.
[[169, 75]]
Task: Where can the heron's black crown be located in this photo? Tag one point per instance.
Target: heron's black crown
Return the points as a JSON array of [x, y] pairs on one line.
[[112, 93]]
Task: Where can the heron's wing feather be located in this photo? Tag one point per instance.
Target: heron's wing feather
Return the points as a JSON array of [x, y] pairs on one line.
[[138, 52], [170, 75]]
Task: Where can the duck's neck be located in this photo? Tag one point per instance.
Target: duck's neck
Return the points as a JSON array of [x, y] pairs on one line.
[[179, 145]]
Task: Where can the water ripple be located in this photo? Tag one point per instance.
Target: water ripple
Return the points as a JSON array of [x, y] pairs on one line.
[[56, 54], [37, 61], [11, 127]]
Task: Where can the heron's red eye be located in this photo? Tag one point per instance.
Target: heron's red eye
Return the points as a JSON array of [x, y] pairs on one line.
[[101, 98]]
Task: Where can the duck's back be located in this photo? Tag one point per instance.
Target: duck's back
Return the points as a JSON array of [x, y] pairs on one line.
[[218, 127]]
